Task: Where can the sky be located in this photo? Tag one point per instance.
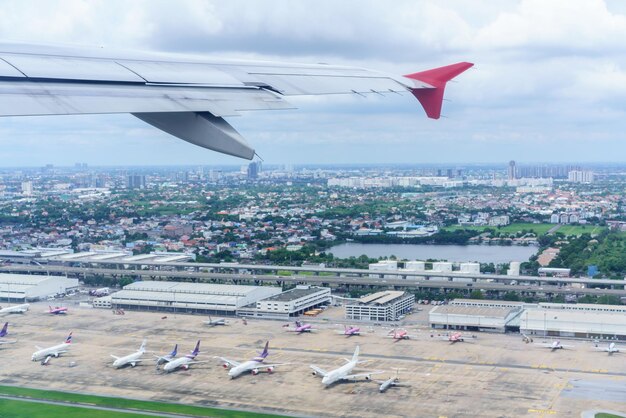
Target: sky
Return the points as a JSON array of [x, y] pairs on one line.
[[549, 82]]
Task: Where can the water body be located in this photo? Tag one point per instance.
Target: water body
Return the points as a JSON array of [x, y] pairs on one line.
[[459, 253]]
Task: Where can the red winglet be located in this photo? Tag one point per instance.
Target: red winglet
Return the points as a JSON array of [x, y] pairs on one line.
[[432, 99]]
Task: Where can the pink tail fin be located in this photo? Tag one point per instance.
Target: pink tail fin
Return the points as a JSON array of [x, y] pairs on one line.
[[432, 99]]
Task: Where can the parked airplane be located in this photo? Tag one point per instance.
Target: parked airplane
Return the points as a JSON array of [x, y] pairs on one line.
[[349, 331], [57, 310], [14, 309], [54, 351], [556, 345], [391, 382], [398, 335], [131, 359], [344, 372], [168, 357], [456, 337], [526, 338], [3, 333], [612, 348], [183, 362], [188, 98], [215, 322], [301, 327], [254, 366]]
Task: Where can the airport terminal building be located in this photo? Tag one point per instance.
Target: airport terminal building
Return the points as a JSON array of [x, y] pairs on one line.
[[20, 288], [381, 306], [204, 298], [293, 302]]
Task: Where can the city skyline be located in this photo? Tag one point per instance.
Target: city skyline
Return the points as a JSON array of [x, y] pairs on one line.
[[547, 81]]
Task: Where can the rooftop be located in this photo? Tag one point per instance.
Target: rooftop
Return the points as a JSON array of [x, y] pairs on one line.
[[473, 311], [294, 294], [380, 298]]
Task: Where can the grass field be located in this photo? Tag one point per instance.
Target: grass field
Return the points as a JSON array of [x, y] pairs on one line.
[[538, 229], [605, 415], [25, 409], [580, 229], [121, 403]]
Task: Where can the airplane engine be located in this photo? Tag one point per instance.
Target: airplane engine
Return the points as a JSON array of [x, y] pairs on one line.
[[270, 370], [56, 355], [225, 365], [186, 367], [368, 377], [255, 372], [314, 373]]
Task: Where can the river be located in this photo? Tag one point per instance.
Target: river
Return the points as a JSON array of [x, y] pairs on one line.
[[455, 253]]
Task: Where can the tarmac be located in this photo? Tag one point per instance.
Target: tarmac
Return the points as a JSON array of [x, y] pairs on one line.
[[491, 375]]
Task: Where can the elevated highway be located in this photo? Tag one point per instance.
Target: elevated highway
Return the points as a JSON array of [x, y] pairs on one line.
[[346, 282]]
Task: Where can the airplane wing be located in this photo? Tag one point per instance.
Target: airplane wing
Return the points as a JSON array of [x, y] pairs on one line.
[[231, 363], [319, 371], [362, 375], [187, 98], [8, 342]]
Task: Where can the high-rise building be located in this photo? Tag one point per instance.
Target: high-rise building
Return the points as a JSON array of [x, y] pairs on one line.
[[512, 170], [136, 181], [580, 176], [27, 188], [254, 168]]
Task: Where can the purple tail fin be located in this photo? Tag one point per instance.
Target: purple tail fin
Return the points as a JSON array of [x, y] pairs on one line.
[[262, 355], [195, 351], [174, 351], [4, 329], [68, 340]]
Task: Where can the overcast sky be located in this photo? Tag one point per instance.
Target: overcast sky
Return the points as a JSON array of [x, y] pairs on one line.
[[549, 83]]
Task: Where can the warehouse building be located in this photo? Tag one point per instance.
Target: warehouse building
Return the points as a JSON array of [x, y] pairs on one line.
[[26, 287], [575, 320], [292, 302], [381, 306], [205, 298], [475, 318]]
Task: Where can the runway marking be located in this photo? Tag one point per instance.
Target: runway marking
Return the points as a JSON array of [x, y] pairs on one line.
[[542, 411]]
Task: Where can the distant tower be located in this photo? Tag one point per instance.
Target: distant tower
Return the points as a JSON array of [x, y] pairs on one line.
[[253, 170], [512, 170]]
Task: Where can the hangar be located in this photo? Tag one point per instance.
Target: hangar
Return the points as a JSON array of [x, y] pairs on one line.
[[206, 298], [26, 287], [575, 320], [475, 318]]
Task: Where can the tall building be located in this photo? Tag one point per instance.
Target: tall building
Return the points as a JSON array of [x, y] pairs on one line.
[[136, 181], [254, 168], [580, 176], [512, 170], [27, 188]]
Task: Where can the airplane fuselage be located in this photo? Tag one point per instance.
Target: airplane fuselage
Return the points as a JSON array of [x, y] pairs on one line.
[[248, 366], [50, 351], [338, 374], [131, 359], [182, 362], [15, 309]]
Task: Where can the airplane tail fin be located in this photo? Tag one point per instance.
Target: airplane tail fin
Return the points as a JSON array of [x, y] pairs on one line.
[[143, 346], [196, 350], [266, 350], [68, 340], [431, 99], [4, 329], [355, 356], [174, 351]]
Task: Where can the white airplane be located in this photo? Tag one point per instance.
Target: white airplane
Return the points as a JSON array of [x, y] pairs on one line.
[[214, 322], [255, 366], [188, 97], [556, 345], [612, 348], [391, 382], [344, 372], [166, 358], [131, 359], [3, 333], [183, 362], [15, 309], [54, 351]]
